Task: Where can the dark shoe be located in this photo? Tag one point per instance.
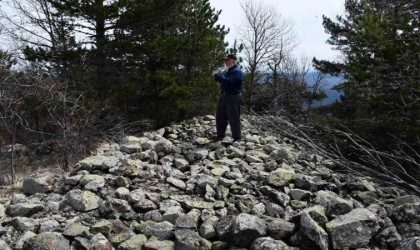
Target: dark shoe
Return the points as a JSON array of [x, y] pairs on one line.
[[218, 138], [237, 139]]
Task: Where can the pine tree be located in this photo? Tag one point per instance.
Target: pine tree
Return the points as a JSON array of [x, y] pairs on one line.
[[170, 47], [94, 20], [380, 44]]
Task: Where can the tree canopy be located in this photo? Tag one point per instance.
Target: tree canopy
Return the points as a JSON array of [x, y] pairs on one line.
[[380, 43]]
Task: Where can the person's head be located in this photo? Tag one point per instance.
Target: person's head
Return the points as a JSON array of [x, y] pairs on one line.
[[230, 60]]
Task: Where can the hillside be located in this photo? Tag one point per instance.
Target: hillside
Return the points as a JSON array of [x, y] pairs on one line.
[[175, 189]]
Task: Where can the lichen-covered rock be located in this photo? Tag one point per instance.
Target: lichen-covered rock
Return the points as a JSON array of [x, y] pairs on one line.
[[100, 242], [409, 244], [334, 204], [33, 186], [47, 241], [93, 161], [83, 200], [267, 243], [354, 229], [177, 190], [135, 242], [4, 246], [25, 224], [246, 228], [190, 240], [280, 229], [407, 212], [313, 231], [388, 237], [159, 245], [24, 209], [318, 214], [281, 177], [161, 230]]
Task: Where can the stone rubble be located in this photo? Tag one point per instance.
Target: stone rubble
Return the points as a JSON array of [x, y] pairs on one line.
[[176, 189]]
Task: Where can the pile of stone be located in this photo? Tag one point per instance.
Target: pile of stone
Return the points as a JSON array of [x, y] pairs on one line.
[[175, 189]]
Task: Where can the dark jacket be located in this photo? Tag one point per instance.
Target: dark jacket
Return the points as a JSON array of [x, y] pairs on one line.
[[231, 81]]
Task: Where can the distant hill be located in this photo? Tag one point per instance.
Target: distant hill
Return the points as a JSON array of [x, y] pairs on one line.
[[330, 82]]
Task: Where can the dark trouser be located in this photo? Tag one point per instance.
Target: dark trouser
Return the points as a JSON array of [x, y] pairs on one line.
[[229, 110]]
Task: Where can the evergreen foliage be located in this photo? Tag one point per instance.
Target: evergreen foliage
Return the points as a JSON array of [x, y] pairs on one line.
[[143, 59], [380, 44]]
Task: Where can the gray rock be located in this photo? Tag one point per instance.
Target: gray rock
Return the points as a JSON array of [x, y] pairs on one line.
[[103, 226], [47, 241], [116, 208], [177, 183], [122, 193], [258, 209], [301, 241], [317, 213], [76, 229], [280, 229], [185, 221], [146, 145], [246, 228], [33, 186], [49, 226], [18, 198], [267, 243], [136, 196], [409, 244], [307, 182], [274, 210], [204, 180], [159, 245], [181, 163], [135, 242], [407, 213], [118, 239], [162, 230], [354, 229], [299, 194], [92, 182], [83, 200], [224, 227], [334, 204], [4, 246], [280, 177], [406, 199], [199, 204], [172, 213], [81, 243], [93, 161], [207, 229], [153, 215], [122, 182], [131, 148], [24, 209], [313, 231], [26, 236], [190, 240], [100, 242], [163, 146], [388, 237], [408, 230], [25, 224]]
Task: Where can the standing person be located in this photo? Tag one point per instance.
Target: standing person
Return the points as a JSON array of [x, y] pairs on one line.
[[229, 104]]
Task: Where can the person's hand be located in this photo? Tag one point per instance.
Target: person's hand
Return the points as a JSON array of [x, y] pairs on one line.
[[215, 73]]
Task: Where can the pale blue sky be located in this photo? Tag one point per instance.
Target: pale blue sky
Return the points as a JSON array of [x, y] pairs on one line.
[[305, 14]]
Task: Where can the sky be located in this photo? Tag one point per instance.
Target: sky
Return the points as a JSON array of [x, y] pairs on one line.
[[306, 16]]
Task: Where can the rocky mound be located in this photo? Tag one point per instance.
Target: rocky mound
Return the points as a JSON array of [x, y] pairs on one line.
[[175, 189]]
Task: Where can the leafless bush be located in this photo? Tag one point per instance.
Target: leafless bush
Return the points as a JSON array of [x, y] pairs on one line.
[[389, 168]]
